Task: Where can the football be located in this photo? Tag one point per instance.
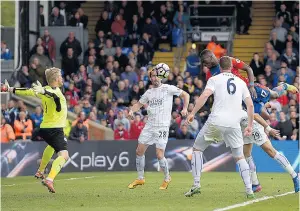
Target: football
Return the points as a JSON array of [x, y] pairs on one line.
[[163, 70]]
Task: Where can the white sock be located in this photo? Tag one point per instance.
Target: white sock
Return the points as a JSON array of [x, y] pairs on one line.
[[163, 163], [245, 174], [281, 159], [197, 164], [252, 166], [140, 165]]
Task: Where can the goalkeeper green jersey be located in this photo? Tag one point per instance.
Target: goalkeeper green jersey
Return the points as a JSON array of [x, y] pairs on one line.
[[54, 105]]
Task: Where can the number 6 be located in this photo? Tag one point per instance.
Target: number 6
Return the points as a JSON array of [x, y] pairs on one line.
[[229, 84]]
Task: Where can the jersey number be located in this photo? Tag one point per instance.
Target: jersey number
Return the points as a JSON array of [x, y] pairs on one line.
[[231, 87], [162, 134], [264, 93]]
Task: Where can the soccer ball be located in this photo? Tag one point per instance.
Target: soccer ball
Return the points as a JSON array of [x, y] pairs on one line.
[[163, 70]]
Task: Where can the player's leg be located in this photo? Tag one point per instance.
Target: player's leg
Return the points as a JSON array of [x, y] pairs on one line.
[[283, 161], [163, 163], [145, 139], [280, 90], [47, 155], [140, 165], [55, 138], [197, 160], [256, 187], [233, 138]]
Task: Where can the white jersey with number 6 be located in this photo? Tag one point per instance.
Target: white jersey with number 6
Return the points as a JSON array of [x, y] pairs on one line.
[[160, 102], [229, 91]]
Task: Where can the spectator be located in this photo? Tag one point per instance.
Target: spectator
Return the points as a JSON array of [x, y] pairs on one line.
[[118, 30], [42, 17], [11, 112], [295, 24], [173, 125], [136, 127], [79, 132], [135, 92], [148, 48], [82, 74], [69, 63], [5, 52], [122, 119], [256, 65], [103, 103], [104, 90], [49, 44], [101, 61], [75, 20], [243, 18], [130, 75], [273, 62], [24, 78], [269, 76], [82, 117], [70, 42], [34, 48], [37, 71], [285, 14], [120, 133], [122, 94], [184, 133], [108, 70], [121, 58], [290, 58], [165, 30], [280, 31], [92, 53], [72, 94], [277, 44], [97, 78], [193, 63], [134, 30], [109, 50], [104, 24], [56, 19], [44, 60], [290, 42], [83, 18], [215, 47], [142, 57], [290, 72], [7, 133], [90, 64], [63, 11], [282, 77], [100, 40], [273, 120], [181, 18], [151, 29], [37, 116], [285, 127], [23, 127]]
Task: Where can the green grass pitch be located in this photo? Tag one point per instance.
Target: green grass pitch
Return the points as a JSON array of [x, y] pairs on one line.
[[109, 192]]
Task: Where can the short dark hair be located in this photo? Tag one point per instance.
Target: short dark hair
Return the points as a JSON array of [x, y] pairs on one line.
[[225, 62], [208, 58]]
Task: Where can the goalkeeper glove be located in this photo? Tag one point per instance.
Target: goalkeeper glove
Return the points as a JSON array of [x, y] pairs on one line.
[[38, 88]]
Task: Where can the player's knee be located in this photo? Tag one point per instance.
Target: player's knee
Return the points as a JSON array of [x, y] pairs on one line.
[[139, 152], [160, 154], [237, 153], [270, 151]]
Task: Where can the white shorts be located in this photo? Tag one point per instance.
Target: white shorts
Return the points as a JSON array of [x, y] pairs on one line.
[[154, 135], [259, 137], [209, 133]]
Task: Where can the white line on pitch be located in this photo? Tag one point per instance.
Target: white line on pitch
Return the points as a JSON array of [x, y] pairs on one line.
[[253, 201]]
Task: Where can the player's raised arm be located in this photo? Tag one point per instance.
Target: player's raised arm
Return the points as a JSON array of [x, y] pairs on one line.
[[243, 66], [18, 91]]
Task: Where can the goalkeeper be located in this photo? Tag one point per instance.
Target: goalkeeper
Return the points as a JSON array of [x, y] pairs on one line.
[[54, 120]]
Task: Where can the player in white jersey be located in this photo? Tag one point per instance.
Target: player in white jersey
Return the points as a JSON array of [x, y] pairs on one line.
[[223, 124], [159, 101], [260, 138]]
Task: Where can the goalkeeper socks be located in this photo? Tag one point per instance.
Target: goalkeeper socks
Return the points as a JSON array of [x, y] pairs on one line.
[[57, 165], [245, 174], [163, 163], [280, 89], [140, 165], [252, 166], [197, 164], [281, 159], [47, 155]]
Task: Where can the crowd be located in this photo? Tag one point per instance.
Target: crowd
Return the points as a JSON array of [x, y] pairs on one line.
[[109, 80]]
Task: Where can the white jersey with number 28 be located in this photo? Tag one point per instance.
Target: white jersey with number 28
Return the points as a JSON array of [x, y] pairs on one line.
[[229, 91], [160, 102]]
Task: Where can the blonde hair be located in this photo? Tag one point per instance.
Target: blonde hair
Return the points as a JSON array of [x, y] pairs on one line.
[[52, 74]]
